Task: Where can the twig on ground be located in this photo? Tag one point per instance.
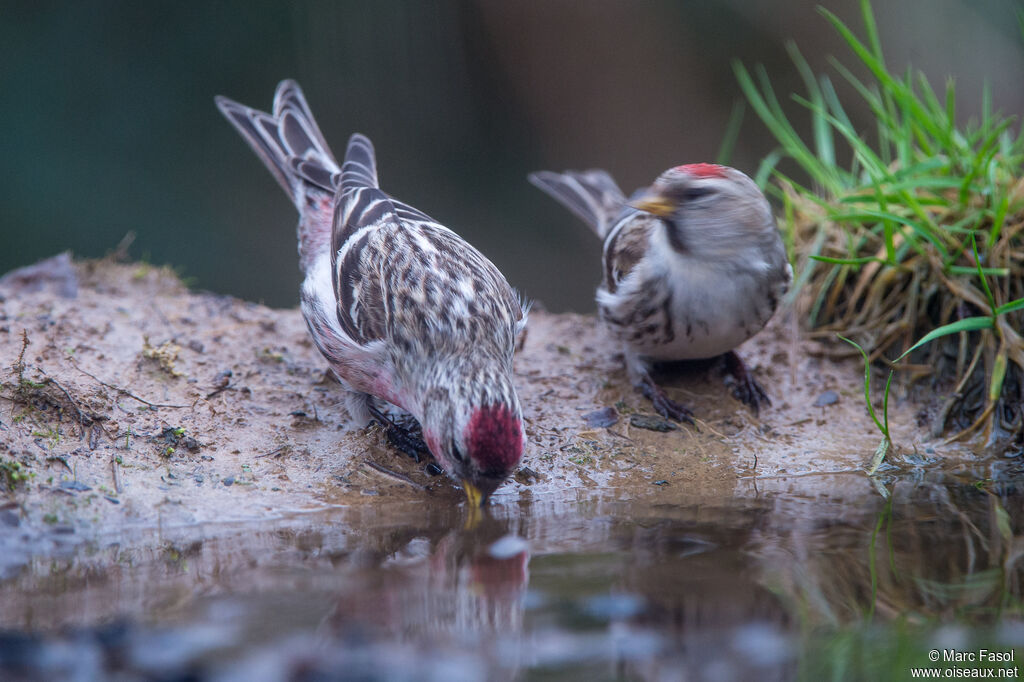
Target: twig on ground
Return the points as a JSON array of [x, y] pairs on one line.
[[394, 474], [115, 473], [126, 392]]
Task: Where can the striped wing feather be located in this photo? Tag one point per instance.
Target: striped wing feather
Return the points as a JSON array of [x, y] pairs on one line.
[[398, 273]]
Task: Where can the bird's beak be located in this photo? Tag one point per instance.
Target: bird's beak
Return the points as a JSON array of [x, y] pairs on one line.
[[656, 204], [476, 497]]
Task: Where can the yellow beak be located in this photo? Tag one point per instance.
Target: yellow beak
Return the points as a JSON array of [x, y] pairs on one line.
[[656, 204], [473, 494]]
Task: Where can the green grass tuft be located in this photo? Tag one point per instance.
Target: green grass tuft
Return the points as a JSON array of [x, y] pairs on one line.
[[915, 246]]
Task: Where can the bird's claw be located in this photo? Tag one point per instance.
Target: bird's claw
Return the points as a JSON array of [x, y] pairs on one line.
[[750, 393], [670, 409], [663, 405], [745, 389], [405, 439]]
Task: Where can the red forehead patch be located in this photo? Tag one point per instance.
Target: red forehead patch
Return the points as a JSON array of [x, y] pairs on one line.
[[703, 170], [494, 438]]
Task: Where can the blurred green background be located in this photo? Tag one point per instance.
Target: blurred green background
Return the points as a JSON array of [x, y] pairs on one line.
[[108, 123]]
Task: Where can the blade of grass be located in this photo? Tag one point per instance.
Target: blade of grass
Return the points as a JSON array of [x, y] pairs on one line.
[[871, 29], [965, 270], [879, 456], [892, 88], [1010, 307], [767, 167], [824, 145], [732, 132], [767, 107], [995, 384], [950, 105], [967, 324], [981, 276], [885, 403], [848, 261], [867, 386], [998, 219], [873, 164], [920, 229]]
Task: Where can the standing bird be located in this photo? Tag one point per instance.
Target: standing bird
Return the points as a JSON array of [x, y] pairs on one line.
[[403, 309], [693, 267]]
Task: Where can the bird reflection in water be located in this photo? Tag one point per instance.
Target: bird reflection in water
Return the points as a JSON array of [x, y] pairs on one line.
[[469, 579]]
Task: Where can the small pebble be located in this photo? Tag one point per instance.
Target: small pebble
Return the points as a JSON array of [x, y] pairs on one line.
[[230, 480], [661, 482], [74, 485], [602, 418], [651, 423], [526, 476], [827, 398]]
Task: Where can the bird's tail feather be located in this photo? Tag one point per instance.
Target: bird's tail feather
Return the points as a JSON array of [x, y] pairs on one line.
[[289, 142], [360, 168], [591, 195]]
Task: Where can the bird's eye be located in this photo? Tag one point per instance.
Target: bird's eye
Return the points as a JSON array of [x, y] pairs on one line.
[[694, 193]]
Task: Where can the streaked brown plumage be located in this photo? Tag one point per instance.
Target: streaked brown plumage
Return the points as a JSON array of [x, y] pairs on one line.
[[403, 309]]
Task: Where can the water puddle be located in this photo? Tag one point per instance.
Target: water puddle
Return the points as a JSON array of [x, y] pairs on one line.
[[779, 587]]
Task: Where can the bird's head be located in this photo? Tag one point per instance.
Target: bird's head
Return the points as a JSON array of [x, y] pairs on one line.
[[710, 207], [475, 430]]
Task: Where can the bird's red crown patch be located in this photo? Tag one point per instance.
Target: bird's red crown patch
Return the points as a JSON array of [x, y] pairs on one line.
[[703, 170], [494, 438]]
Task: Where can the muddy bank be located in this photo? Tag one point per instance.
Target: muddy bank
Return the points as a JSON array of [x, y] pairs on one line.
[[128, 399]]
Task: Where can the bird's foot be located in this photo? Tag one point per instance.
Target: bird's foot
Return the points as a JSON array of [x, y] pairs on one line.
[[745, 387], [664, 405], [406, 439]]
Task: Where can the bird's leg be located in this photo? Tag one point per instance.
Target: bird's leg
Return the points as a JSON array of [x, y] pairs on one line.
[[640, 375], [405, 439], [746, 389]]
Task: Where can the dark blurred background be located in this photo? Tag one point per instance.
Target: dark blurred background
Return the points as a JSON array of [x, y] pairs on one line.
[[108, 123]]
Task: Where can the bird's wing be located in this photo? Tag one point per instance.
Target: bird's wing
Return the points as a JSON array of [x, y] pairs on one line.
[[626, 244], [400, 275]]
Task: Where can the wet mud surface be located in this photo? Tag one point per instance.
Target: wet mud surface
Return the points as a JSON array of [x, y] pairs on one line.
[[187, 497], [142, 402]]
